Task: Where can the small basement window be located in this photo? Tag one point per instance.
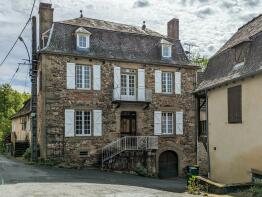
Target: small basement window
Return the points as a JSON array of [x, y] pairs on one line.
[[83, 153]]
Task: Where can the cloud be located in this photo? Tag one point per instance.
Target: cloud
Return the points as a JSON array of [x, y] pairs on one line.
[[141, 4], [204, 12], [252, 3]]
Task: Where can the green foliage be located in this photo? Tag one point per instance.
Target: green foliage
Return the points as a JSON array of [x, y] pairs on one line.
[[141, 170], [10, 102], [27, 154], [193, 186], [201, 61], [256, 190]]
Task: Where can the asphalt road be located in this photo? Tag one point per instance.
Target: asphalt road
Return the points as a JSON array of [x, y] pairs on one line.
[[19, 179]]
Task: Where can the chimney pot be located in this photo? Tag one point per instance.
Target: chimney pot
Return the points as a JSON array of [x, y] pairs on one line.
[[45, 19], [173, 29], [144, 25]]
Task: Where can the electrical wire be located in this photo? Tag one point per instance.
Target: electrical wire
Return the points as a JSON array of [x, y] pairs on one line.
[[14, 74], [27, 22]]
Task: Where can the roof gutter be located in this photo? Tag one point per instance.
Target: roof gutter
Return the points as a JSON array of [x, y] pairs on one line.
[[229, 81], [121, 60]]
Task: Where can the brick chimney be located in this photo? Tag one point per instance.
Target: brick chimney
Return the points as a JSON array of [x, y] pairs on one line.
[[45, 19], [173, 29]]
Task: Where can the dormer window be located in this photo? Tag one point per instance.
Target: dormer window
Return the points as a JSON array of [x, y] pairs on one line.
[[166, 49], [82, 39]]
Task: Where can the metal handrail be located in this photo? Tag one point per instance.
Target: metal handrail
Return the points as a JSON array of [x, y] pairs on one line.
[[128, 143]]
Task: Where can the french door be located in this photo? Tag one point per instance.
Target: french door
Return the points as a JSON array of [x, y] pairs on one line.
[[128, 84]]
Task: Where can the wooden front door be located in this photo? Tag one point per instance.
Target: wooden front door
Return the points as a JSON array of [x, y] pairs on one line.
[[128, 123], [168, 164]]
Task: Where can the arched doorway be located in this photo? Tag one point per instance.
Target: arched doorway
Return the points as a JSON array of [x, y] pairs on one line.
[[168, 164]]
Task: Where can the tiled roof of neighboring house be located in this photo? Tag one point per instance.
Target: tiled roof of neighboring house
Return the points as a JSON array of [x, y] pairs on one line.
[[244, 33], [24, 110], [114, 41], [223, 68]]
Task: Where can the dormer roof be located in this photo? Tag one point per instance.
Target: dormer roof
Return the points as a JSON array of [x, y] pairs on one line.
[[82, 31]]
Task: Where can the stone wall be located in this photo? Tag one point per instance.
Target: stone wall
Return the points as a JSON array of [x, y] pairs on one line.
[[58, 98]]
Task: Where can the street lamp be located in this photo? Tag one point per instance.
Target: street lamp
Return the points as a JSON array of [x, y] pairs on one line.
[[22, 40]]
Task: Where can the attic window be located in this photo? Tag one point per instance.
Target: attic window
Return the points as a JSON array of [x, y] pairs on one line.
[[82, 38], [166, 49], [238, 66]]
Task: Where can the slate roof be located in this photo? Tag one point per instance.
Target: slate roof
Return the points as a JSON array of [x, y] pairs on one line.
[[24, 110], [114, 41], [222, 67]]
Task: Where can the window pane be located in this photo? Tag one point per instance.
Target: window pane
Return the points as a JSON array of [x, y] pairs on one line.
[[164, 123], [86, 77], [82, 41], [87, 123], [164, 88], [78, 122], [79, 76], [123, 84], [131, 85]]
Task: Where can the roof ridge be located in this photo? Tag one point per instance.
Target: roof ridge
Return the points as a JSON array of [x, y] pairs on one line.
[[252, 20], [157, 34]]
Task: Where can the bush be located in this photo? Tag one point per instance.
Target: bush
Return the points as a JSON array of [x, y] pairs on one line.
[[141, 170], [256, 190], [193, 186], [27, 154]]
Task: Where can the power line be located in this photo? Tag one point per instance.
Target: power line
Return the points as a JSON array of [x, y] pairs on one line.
[[14, 74], [19, 34]]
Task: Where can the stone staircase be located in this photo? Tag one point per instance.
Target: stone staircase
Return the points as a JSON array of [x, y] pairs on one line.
[[127, 144]]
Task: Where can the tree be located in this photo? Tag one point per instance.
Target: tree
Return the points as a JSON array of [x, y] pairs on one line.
[[11, 101], [200, 61]]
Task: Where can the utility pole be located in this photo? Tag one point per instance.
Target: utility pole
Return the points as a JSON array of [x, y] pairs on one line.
[[34, 93]]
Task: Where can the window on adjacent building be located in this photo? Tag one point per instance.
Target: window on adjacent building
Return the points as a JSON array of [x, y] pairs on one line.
[[167, 82], [167, 123], [83, 77], [83, 123], [23, 123], [235, 104]]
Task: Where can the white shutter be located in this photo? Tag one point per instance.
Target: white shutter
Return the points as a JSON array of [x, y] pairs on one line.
[[69, 123], [70, 75], [157, 122], [97, 117], [96, 77], [158, 81], [179, 123], [117, 83], [141, 84], [178, 82]]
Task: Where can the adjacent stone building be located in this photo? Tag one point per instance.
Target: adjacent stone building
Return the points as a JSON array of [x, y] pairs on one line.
[[115, 94]]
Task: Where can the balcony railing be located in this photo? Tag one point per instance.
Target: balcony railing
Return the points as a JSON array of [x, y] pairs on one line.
[[129, 143], [132, 94]]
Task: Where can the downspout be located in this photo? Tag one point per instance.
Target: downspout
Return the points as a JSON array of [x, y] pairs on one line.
[[207, 130], [197, 125]]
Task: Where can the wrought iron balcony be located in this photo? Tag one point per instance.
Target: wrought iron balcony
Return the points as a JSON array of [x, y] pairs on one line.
[[132, 95]]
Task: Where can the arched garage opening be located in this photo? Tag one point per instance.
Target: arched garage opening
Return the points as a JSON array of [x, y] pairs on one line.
[[168, 164]]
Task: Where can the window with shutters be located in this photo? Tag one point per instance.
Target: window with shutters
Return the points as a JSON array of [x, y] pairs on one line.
[[128, 84], [83, 77], [167, 123], [83, 123], [235, 104], [167, 82]]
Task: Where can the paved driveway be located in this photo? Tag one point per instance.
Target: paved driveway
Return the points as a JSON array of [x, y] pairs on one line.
[[18, 179]]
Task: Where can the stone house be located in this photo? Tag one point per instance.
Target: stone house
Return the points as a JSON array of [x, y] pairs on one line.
[[231, 90], [116, 94], [21, 130]]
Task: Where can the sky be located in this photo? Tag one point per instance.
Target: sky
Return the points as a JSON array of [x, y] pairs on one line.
[[207, 24]]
